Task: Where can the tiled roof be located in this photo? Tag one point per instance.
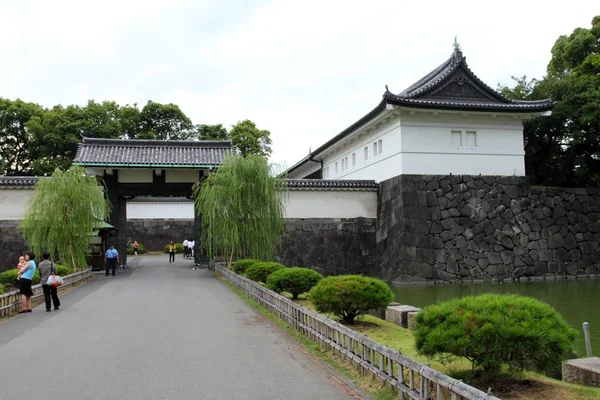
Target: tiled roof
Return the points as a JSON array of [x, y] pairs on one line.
[[321, 184], [16, 181], [160, 200], [453, 86], [151, 153]]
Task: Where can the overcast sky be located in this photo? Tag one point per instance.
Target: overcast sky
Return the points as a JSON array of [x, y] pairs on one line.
[[304, 69]]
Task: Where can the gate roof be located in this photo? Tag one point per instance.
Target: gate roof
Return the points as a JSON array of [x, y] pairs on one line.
[[152, 153]]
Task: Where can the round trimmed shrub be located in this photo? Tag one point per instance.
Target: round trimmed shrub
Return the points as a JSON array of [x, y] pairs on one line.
[[293, 280], [10, 277], [142, 249], [493, 331], [240, 266], [348, 296], [260, 272], [63, 270]]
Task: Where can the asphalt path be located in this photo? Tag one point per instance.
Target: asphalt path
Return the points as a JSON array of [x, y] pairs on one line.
[[160, 331]]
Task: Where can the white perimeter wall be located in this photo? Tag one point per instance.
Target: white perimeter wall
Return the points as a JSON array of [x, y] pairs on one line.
[[160, 210], [331, 204], [14, 203]]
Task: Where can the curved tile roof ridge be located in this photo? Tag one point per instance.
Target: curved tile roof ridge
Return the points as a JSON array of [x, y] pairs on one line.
[[155, 143], [18, 180], [330, 184]]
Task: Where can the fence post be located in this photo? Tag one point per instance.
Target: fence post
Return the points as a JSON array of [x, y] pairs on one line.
[[586, 335]]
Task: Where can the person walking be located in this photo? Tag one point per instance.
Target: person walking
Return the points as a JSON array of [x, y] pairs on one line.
[[111, 258], [191, 244], [171, 252], [135, 247], [185, 248], [48, 268], [25, 275]]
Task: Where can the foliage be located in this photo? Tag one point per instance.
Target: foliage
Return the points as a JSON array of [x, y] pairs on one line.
[[250, 140], [348, 296], [178, 248], [293, 280], [260, 272], [63, 213], [493, 330], [1, 288], [165, 121], [564, 149], [14, 136], [240, 266], [242, 208], [141, 249], [10, 277], [63, 270], [212, 132]]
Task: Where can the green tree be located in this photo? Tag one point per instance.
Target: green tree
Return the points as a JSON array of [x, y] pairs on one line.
[[15, 157], [166, 121], [564, 149], [63, 212], [250, 140], [212, 132], [242, 208]]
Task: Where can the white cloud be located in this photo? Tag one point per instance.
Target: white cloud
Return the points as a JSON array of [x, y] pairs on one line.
[[304, 70]]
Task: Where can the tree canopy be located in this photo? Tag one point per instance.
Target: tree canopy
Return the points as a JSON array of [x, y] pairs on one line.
[[564, 149], [250, 140], [63, 213], [242, 208]]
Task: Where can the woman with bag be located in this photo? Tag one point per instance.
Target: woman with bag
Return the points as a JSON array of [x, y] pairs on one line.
[[47, 270]]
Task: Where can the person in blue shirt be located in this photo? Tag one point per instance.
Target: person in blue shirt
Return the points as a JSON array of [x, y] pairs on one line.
[[25, 275], [111, 258]]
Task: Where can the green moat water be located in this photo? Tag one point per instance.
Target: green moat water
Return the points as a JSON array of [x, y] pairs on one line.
[[577, 300]]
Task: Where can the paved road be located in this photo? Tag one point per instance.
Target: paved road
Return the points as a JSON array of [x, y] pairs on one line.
[[162, 331]]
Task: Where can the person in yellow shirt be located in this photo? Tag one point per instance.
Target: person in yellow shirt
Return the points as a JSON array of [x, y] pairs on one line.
[[171, 252]]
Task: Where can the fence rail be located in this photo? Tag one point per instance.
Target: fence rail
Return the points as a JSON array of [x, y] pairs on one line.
[[9, 302], [412, 379]]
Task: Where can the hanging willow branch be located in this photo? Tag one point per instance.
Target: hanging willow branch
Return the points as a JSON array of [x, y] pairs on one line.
[[63, 213], [242, 208]]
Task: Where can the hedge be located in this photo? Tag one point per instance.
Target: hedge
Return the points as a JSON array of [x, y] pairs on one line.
[[240, 266], [494, 330], [260, 271], [141, 249], [10, 277], [348, 296], [293, 280]]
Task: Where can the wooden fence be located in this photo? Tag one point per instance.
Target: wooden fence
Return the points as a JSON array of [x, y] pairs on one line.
[[9, 302], [412, 379]]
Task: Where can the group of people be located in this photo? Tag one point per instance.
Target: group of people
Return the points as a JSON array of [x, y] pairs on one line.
[[188, 248], [27, 267]]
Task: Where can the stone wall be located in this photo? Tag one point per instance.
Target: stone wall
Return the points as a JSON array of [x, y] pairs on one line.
[[155, 234], [12, 244], [330, 246], [461, 228]]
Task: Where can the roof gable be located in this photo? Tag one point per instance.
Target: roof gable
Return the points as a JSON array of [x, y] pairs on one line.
[[152, 153], [453, 86]]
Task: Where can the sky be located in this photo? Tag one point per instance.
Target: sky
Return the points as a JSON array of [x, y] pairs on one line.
[[304, 70]]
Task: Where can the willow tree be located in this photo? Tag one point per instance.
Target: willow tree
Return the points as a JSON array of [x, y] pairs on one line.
[[242, 208], [63, 213]]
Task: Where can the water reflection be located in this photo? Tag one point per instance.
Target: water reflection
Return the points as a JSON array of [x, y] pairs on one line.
[[577, 300]]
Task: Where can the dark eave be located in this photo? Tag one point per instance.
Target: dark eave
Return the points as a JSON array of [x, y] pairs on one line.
[[160, 200], [322, 184], [151, 153]]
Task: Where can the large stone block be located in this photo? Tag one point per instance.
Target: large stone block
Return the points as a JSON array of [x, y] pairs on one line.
[[399, 314], [583, 371]]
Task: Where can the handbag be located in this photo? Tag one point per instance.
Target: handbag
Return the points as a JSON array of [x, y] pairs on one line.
[[54, 279]]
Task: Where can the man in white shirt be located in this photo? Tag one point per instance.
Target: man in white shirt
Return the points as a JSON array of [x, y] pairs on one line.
[[185, 248], [192, 245]]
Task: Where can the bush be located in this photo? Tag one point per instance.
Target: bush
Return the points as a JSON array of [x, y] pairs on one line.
[[260, 271], [293, 280], [1, 288], [348, 296], [178, 248], [142, 249], [10, 277], [240, 266], [493, 330], [63, 270]]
